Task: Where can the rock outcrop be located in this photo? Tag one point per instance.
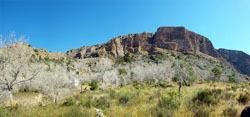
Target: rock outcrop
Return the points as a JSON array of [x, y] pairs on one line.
[[165, 39], [238, 59]]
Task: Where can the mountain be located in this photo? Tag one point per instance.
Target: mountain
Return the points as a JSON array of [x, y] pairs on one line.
[[239, 59], [161, 57], [165, 39]]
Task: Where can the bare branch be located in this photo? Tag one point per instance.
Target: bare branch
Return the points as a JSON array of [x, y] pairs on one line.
[[31, 78]]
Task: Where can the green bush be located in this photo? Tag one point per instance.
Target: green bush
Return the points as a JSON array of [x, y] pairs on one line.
[[26, 90], [69, 102], [124, 99], [217, 73], [94, 85], [103, 102], [124, 59], [175, 79], [234, 88], [208, 97], [125, 96], [163, 85], [231, 79], [111, 93], [244, 98], [230, 112], [5, 112], [86, 102], [166, 105], [156, 58], [169, 103], [122, 71], [85, 83]]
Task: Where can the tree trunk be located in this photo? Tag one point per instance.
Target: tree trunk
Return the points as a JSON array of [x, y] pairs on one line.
[[11, 100], [180, 84], [81, 89]]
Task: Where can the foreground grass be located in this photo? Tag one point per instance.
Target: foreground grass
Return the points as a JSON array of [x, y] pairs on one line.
[[136, 100]]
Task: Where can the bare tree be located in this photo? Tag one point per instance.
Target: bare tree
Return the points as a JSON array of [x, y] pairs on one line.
[[181, 77], [14, 63]]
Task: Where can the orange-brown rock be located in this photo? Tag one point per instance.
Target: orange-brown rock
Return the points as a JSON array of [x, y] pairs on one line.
[[166, 38]]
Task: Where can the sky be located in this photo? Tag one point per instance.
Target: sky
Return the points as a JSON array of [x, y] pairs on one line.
[[61, 25]]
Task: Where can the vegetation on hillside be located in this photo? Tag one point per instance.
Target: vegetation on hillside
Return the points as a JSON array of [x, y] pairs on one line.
[[200, 99]]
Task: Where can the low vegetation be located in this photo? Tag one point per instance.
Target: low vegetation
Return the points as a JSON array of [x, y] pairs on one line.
[[147, 98]]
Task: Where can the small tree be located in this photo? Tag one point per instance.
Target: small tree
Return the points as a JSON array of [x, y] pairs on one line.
[[14, 63], [181, 77], [217, 73]]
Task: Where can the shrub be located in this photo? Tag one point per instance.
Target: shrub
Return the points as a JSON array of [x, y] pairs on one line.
[[85, 83], [231, 79], [156, 58], [244, 98], [161, 112], [234, 88], [202, 111], [169, 103], [94, 85], [230, 112], [166, 105], [228, 96], [102, 102], [69, 102], [125, 96], [5, 112], [175, 79], [163, 85], [217, 73], [173, 65], [112, 93], [27, 89], [124, 59], [208, 97], [86, 102], [199, 110], [75, 111], [122, 71], [244, 85], [124, 99], [132, 74], [191, 80]]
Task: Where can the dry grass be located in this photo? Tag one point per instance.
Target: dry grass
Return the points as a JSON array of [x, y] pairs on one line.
[[143, 102]]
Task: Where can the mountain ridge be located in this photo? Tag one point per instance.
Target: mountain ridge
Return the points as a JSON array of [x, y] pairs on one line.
[[168, 38], [165, 39]]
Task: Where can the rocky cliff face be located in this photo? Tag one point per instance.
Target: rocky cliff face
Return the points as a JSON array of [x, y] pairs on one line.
[[165, 39], [238, 59]]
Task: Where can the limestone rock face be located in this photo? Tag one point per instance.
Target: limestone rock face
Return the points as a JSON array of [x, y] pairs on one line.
[[181, 40], [238, 59], [165, 39], [119, 46]]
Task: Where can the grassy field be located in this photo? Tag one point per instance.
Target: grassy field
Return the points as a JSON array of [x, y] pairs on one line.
[[148, 99]]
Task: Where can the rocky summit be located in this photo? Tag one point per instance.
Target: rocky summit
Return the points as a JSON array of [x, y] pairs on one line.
[[165, 39]]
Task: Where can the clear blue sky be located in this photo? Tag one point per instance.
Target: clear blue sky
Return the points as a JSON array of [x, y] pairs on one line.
[[61, 25]]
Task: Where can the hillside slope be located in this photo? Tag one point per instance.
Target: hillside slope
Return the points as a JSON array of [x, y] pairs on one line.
[[239, 59]]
